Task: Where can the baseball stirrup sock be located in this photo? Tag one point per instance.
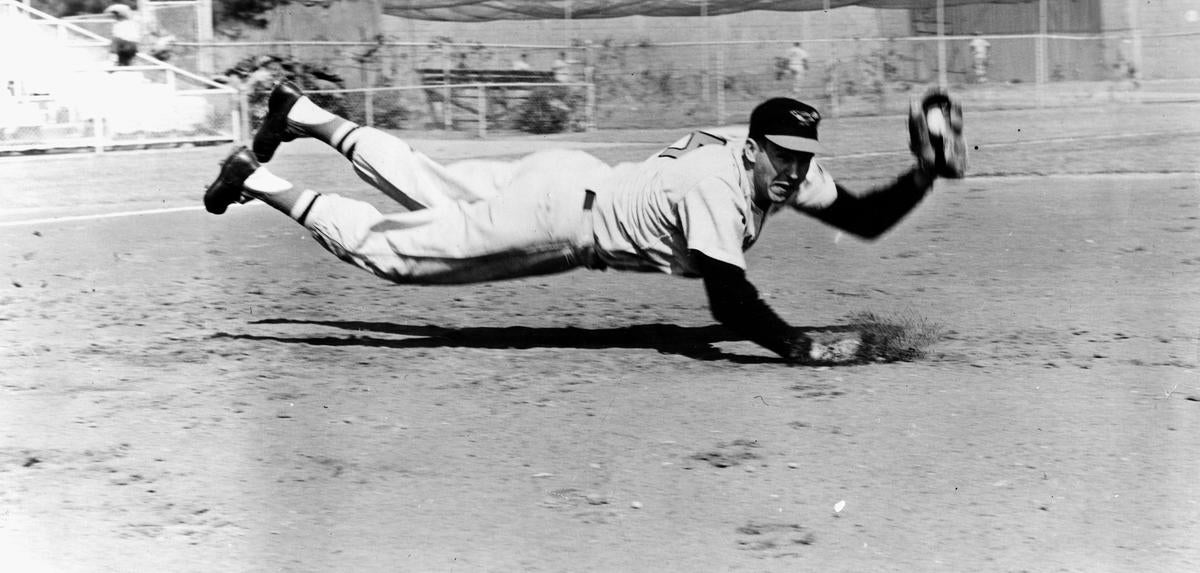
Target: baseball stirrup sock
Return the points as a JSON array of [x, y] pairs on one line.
[[306, 113], [346, 139], [304, 204]]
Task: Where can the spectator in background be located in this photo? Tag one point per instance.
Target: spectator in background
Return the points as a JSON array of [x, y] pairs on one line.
[[797, 59], [561, 68], [126, 33], [521, 64], [979, 53], [162, 43], [1126, 65]]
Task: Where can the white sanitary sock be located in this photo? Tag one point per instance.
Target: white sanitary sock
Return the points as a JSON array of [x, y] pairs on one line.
[[263, 181], [305, 112]]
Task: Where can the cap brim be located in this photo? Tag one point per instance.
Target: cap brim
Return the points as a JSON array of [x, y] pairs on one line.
[[796, 143]]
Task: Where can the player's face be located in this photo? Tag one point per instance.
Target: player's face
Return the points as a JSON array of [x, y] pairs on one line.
[[778, 171]]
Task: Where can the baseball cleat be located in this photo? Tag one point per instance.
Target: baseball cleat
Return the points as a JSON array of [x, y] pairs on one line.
[[227, 188], [274, 129]]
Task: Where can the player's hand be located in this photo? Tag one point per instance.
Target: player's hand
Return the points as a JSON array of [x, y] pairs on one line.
[[935, 130], [796, 350]]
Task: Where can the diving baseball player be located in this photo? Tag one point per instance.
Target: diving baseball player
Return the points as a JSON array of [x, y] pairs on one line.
[[691, 210]]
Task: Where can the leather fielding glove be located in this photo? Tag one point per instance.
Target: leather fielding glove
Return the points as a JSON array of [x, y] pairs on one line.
[[935, 130]]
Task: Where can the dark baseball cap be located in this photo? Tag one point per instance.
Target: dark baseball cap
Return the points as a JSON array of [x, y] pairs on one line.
[[787, 123]]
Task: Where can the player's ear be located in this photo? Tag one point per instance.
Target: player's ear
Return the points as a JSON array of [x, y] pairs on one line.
[[750, 151]]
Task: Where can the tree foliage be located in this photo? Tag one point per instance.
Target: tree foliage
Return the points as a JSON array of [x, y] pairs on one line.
[[249, 12], [65, 8], [548, 110]]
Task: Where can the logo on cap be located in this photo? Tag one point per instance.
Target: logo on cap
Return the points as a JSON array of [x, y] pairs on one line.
[[807, 118]]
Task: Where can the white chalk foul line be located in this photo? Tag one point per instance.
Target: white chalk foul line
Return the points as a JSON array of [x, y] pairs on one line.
[[70, 218]]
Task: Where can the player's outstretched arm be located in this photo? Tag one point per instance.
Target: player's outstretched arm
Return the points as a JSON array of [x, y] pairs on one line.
[[735, 303], [935, 129], [871, 214]]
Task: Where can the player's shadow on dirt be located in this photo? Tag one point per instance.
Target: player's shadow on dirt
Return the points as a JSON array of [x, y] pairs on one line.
[[695, 342]]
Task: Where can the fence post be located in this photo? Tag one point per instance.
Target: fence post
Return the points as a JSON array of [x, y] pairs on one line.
[[235, 119], [705, 70], [368, 78], [589, 66], [98, 121], [1135, 30], [941, 41], [244, 103], [482, 103], [591, 107], [1041, 53], [447, 122], [205, 60], [721, 28], [369, 107], [831, 68]]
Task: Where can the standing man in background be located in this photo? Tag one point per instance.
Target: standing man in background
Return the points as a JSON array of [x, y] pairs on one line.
[[979, 53], [126, 34], [561, 68], [797, 64]]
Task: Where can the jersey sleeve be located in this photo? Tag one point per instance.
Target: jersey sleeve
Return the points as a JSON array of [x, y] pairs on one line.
[[713, 222]]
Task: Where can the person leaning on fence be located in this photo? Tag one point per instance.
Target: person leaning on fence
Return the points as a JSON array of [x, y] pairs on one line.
[[126, 34], [521, 64], [691, 210], [561, 68]]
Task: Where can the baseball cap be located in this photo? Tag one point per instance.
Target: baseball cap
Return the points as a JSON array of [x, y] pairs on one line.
[[787, 123], [119, 9]]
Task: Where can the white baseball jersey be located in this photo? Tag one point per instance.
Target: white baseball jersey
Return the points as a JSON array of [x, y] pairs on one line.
[[694, 195], [488, 220], [979, 47]]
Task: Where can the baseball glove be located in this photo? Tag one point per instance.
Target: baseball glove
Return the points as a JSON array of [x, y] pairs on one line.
[[824, 349], [935, 130]]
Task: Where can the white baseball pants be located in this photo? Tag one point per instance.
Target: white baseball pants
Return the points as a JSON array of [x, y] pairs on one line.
[[474, 221]]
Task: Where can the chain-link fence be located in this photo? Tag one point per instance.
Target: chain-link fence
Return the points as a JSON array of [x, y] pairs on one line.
[[385, 64], [169, 22], [648, 84], [477, 107], [458, 85]]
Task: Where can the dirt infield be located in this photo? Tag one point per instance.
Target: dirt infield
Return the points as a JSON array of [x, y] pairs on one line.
[[184, 392]]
